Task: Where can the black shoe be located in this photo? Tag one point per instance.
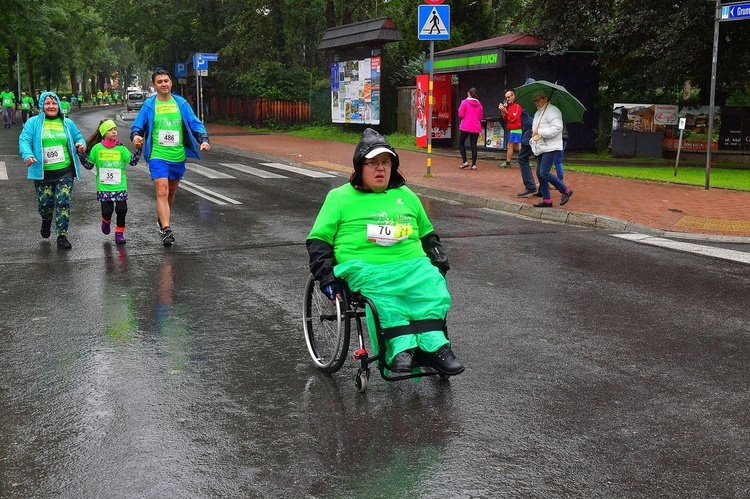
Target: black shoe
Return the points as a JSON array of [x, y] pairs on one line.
[[526, 192], [538, 194], [443, 361], [166, 236], [403, 362], [566, 196], [543, 204], [63, 243], [46, 228]]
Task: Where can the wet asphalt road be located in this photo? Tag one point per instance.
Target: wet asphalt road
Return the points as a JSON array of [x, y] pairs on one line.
[[595, 367]]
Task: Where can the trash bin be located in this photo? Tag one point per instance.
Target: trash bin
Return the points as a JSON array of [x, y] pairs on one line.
[[630, 144], [649, 144], [623, 143]]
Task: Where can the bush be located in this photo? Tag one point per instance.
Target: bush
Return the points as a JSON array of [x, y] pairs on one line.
[[270, 80]]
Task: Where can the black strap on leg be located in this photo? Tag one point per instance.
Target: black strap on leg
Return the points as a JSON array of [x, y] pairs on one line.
[[414, 327]]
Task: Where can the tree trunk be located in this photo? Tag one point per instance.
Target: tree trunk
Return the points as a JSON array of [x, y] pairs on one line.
[[11, 74], [29, 71], [73, 81]]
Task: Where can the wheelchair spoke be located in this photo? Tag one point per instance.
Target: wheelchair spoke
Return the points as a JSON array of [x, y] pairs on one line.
[[327, 336]]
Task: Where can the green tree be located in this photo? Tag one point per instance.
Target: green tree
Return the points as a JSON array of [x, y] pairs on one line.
[[647, 49]]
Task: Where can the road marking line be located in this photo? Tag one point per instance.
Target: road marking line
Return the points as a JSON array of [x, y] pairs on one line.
[[721, 253], [141, 168], [301, 171], [206, 172], [198, 190], [3, 171], [331, 166], [252, 171], [189, 186]]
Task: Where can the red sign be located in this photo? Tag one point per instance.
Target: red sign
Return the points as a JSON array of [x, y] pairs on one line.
[[434, 2], [441, 110]]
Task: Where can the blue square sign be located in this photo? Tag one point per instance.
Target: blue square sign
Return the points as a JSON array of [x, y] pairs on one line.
[[434, 22]]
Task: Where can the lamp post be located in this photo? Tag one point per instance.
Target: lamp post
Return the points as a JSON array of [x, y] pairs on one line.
[[18, 73]]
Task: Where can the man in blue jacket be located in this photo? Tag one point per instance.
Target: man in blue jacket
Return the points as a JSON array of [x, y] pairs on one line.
[[171, 132]]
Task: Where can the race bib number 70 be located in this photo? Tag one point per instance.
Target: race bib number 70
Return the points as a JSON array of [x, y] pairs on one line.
[[387, 235]]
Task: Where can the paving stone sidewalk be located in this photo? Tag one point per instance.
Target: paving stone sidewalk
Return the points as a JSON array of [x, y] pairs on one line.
[[607, 202]]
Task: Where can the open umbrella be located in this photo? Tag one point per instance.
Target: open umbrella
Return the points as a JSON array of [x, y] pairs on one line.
[[570, 107]]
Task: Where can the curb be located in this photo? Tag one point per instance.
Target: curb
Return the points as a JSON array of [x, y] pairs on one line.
[[555, 215]]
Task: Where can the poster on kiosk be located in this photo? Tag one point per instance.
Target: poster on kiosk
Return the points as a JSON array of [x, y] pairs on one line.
[[442, 116]]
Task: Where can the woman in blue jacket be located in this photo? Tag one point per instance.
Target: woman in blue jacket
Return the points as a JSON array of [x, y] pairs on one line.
[[49, 144]]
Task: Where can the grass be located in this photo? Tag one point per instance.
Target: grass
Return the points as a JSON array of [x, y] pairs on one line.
[[333, 134], [659, 169], [689, 175]]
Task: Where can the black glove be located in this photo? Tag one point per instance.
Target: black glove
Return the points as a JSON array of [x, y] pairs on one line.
[[331, 290], [434, 250]]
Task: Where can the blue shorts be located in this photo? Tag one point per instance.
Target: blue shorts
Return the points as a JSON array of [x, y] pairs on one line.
[[515, 136], [166, 169]]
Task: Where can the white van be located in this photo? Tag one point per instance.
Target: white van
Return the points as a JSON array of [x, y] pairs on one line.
[[135, 100]]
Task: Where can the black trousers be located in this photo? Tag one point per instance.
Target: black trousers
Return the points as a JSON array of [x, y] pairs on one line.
[[473, 137], [119, 207]]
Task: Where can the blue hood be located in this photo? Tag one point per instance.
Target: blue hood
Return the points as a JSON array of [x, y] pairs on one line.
[[46, 94]]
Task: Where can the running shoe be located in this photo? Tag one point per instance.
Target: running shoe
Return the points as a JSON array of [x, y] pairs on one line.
[[167, 237]]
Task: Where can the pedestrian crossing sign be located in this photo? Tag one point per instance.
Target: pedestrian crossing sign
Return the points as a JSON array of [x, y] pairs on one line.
[[434, 22]]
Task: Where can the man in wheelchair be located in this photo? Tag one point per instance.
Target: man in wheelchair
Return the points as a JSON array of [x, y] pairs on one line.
[[373, 233]]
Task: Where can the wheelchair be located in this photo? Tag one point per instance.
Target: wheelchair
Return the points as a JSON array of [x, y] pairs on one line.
[[328, 327]]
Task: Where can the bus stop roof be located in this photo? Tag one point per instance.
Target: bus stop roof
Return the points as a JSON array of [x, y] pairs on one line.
[[365, 33], [490, 53], [509, 41]]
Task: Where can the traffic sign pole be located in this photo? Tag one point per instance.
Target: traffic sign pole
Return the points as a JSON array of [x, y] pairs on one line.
[[200, 64], [727, 12], [197, 85], [429, 114], [714, 58], [438, 18], [679, 145]]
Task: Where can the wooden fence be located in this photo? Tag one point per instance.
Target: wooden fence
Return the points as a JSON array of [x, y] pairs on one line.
[[260, 113]]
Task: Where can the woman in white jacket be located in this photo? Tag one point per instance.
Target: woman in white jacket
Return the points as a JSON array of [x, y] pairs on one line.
[[546, 143]]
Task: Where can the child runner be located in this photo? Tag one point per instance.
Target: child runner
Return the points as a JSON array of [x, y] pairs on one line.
[[110, 157]]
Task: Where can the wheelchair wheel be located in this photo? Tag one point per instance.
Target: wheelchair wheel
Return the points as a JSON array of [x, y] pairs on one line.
[[362, 380], [327, 328]]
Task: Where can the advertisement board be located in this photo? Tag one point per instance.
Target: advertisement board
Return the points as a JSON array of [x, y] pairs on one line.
[[695, 136], [664, 118], [355, 91], [735, 129], [442, 112], [493, 135]]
